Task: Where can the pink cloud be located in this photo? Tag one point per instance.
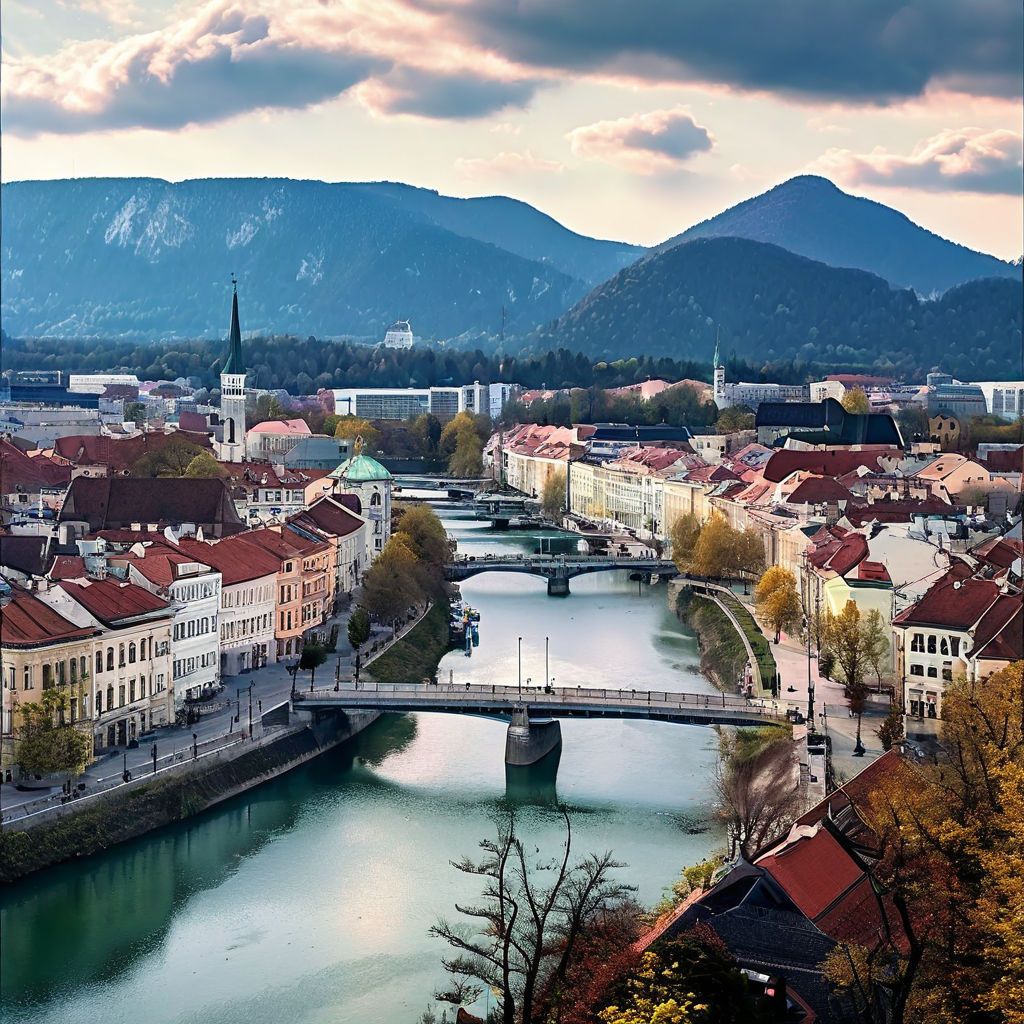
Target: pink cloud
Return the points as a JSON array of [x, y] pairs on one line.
[[959, 160], [507, 164], [660, 140]]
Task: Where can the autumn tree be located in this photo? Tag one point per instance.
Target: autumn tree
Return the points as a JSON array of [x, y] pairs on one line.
[[777, 600], [734, 418], [391, 585], [425, 533], [47, 744], [876, 643], [350, 427], [845, 636], [466, 460], [172, 458], [204, 465], [856, 401], [685, 533], [722, 552], [552, 500], [525, 932]]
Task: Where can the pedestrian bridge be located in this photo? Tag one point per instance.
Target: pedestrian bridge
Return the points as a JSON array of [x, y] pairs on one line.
[[557, 569], [533, 712]]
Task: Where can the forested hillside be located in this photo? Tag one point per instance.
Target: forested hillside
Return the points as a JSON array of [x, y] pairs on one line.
[[769, 305]]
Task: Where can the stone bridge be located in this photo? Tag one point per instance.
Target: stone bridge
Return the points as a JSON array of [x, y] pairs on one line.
[[557, 569], [533, 712]]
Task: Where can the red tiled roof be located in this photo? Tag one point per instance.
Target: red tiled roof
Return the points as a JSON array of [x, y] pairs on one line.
[[293, 427], [237, 558], [839, 554], [832, 463], [873, 571], [956, 601], [816, 490], [814, 870], [999, 552], [1004, 461], [329, 515], [120, 453], [900, 511], [67, 567], [20, 470], [28, 622], [111, 601], [159, 563], [999, 635], [858, 790]]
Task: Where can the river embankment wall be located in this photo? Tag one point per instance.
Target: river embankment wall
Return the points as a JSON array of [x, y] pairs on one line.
[[74, 830]]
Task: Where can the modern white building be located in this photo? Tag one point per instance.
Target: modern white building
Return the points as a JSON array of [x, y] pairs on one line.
[[753, 394], [1004, 398], [97, 383], [399, 335], [408, 403]]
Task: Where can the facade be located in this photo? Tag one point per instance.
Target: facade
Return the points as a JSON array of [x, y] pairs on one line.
[[371, 483], [247, 599], [193, 589], [232, 391], [97, 383], [41, 649], [399, 335], [346, 530], [130, 689], [272, 440], [955, 399], [408, 403], [1004, 399]]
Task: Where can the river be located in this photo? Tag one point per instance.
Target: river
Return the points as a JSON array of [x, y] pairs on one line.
[[309, 899]]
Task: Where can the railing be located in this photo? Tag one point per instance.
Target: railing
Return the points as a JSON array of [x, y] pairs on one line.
[[431, 695]]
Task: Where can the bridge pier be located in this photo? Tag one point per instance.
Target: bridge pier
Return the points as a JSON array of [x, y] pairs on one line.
[[558, 586], [528, 742]]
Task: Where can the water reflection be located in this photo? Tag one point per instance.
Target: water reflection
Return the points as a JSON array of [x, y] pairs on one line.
[[534, 784]]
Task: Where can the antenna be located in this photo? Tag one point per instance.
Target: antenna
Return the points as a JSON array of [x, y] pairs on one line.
[[234, 282]]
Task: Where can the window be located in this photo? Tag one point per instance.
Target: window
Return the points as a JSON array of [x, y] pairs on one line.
[[932, 672], [13, 678], [954, 646], [27, 680], [110, 698], [131, 653], [84, 667], [47, 676], [142, 686], [110, 659], [931, 645], [99, 702], [131, 691], [120, 655], [916, 670], [73, 665], [947, 675], [120, 696], [944, 646], [99, 662]]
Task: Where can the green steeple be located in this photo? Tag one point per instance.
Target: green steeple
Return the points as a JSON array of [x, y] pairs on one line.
[[235, 363]]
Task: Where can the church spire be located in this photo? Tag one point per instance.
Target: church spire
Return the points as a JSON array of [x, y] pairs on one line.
[[234, 362], [716, 348]]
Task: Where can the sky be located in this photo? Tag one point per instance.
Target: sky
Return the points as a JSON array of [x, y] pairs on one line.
[[626, 119]]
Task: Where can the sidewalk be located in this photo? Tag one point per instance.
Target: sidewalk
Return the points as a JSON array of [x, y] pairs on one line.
[[271, 685]]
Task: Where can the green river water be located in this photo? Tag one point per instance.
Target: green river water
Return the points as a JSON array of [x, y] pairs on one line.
[[309, 899]]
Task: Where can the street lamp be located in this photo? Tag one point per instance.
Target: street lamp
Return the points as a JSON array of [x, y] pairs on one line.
[[251, 685], [547, 672], [520, 668]]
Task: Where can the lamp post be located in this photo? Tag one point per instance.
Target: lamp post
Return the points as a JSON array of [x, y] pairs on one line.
[[547, 672], [520, 668], [154, 758], [251, 685]]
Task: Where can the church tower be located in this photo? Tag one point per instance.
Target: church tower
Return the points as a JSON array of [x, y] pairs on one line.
[[232, 389], [719, 380]]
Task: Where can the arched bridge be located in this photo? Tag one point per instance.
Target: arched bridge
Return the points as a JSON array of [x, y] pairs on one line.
[[557, 569], [533, 711]]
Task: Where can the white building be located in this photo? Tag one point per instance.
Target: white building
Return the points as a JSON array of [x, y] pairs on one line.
[[753, 394], [399, 335], [193, 590], [97, 383], [371, 483], [1005, 398], [407, 403], [272, 440]]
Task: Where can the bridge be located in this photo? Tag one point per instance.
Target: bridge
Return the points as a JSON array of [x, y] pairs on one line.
[[533, 712], [557, 569]]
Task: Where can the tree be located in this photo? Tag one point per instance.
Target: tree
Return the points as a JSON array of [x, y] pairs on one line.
[[751, 783], [890, 732], [876, 643], [856, 401], [47, 745], [428, 429], [734, 418], [777, 599], [685, 533], [172, 458], [358, 628], [452, 431], [552, 500], [134, 412], [531, 922], [203, 465], [426, 534], [350, 427], [723, 552], [845, 637], [313, 656], [391, 585], [466, 460]]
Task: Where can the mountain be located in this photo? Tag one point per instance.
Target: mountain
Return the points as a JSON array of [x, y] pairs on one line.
[[146, 258], [770, 305], [812, 217]]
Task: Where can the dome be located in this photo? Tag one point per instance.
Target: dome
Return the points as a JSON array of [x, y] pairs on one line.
[[360, 469]]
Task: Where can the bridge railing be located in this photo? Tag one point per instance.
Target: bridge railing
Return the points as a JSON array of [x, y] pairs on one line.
[[431, 695], [626, 561]]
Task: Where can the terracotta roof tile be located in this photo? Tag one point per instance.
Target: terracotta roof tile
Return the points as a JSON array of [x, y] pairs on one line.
[[28, 622], [111, 601], [831, 463], [956, 601]]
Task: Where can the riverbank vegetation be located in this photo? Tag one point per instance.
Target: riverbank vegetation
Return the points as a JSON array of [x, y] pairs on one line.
[[722, 654], [714, 549], [416, 656]]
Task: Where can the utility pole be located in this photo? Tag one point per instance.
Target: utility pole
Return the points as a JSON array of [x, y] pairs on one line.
[[520, 668]]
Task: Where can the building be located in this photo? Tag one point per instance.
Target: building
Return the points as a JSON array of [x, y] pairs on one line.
[[193, 589], [131, 684], [399, 335], [272, 440], [232, 390], [824, 423], [1004, 399], [371, 483], [317, 452], [346, 529], [97, 383], [247, 600], [753, 394], [130, 503], [40, 649], [964, 625], [956, 399], [408, 403], [819, 390]]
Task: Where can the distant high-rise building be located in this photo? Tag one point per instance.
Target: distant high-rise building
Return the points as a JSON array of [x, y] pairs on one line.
[[232, 390], [399, 335]]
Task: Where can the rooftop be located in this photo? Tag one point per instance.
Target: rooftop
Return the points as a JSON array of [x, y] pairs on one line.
[[28, 622], [112, 601]]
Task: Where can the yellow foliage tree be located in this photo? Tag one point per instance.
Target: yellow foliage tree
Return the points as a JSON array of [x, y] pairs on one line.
[[777, 600], [351, 427], [856, 400]]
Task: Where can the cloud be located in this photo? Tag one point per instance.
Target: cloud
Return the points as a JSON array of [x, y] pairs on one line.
[[961, 160], [861, 50], [117, 12], [451, 96], [506, 164], [661, 140]]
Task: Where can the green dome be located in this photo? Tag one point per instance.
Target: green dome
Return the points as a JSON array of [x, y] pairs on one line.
[[359, 470]]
